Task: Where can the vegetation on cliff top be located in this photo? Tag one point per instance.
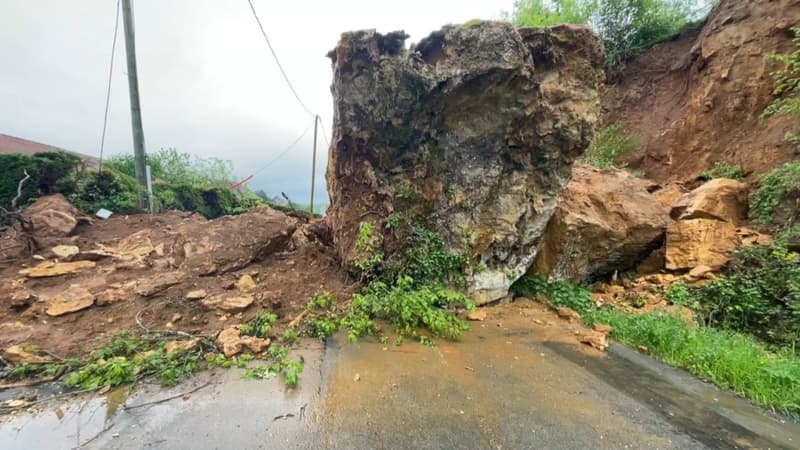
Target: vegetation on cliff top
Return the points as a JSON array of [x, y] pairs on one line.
[[627, 27]]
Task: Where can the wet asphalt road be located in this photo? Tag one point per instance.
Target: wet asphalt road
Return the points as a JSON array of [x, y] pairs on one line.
[[508, 385]]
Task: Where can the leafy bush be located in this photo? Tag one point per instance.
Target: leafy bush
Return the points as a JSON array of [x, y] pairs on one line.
[[777, 200], [724, 170], [108, 189], [50, 172], [426, 258], [626, 26], [173, 167], [560, 294], [608, 145], [787, 82], [260, 326], [759, 294], [730, 360]]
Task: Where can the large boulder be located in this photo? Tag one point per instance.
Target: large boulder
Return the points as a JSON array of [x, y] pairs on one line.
[[472, 133], [606, 221], [719, 199]]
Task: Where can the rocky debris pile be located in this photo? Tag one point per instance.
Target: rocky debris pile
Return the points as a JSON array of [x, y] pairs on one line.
[[707, 227], [471, 132], [606, 221]]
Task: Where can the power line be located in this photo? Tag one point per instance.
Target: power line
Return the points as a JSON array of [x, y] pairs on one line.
[[108, 91], [285, 151], [324, 135], [285, 77]]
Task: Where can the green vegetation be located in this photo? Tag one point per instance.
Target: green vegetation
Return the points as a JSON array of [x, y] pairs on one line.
[[48, 173], [769, 376], [724, 170], [260, 326], [281, 364], [777, 200], [608, 145], [627, 27], [787, 87]]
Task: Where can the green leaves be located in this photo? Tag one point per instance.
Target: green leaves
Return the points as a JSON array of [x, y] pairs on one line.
[[724, 170], [775, 200], [559, 293], [260, 326], [608, 145]]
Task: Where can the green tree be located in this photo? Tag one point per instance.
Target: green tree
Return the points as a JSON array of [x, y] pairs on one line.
[[626, 26]]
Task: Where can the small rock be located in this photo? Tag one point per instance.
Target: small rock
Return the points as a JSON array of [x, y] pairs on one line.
[[65, 252], [357, 377], [229, 303], [232, 343], [54, 269], [479, 315], [197, 294], [159, 283], [19, 354], [176, 318], [595, 339], [700, 272], [602, 328], [181, 346], [74, 299], [110, 296], [246, 283], [16, 403], [568, 314], [21, 298]]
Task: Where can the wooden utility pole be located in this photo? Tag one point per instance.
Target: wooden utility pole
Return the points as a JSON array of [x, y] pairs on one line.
[[136, 111], [313, 168]]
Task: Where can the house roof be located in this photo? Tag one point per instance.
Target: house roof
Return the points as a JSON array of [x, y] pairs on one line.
[[13, 144]]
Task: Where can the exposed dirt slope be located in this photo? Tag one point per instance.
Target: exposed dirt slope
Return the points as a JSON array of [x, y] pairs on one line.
[[696, 101]]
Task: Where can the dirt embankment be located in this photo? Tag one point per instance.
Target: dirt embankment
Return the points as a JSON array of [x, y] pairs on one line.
[[696, 101], [173, 271]]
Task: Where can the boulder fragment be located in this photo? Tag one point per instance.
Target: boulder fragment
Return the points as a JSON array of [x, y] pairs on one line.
[[51, 216], [474, 129], [606, 221], [246, 283], [65, 252], [181, 346], [699, 242], [232, 343], [229, 303], [74, 299], [20, 354], [719, 199], [197, 294], [595, 339], [151, 286], [54, 269]]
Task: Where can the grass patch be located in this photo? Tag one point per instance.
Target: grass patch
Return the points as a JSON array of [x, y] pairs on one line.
[[724, 170], [728, 359], [608, 145]]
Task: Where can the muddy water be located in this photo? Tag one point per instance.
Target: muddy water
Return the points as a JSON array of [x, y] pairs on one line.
[[518, 380]]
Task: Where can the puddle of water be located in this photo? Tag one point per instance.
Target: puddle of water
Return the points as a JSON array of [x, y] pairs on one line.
[[65, 426]]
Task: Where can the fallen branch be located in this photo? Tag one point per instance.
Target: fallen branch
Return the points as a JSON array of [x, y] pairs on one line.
[[19, 189], [164, 400]]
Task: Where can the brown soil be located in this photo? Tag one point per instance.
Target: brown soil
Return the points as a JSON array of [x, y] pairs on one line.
[[285, 281], [696, 101]]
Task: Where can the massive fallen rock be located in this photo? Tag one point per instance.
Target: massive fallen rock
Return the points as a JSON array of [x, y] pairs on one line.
[[471, 133], [719, 199], [606, 221]]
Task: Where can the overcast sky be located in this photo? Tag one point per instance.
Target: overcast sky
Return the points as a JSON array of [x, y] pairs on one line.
[[207, 81]]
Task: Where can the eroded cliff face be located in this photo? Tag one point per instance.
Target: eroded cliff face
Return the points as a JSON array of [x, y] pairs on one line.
[[697, 100], [471, 133]]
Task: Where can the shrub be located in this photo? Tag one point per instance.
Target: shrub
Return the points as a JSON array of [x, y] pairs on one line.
[[50, 172], [626, 26], [559, 293], [724, 170], [108, 189], [608, 145], [777, 200]]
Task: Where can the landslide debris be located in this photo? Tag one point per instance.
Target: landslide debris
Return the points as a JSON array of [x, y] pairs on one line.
[[470, 133]]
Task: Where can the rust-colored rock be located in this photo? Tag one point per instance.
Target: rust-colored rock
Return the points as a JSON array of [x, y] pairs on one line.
[[228, 303], [696, 242], [54, 269], [74, 299], [181, 346], [232, 343], [151, 286], [594, 339], [606, 221], [51, 216], [719, 199], [478, 315], [197, 294], [20, 354], [568, 314], [111, 296], [473, 129], [246, 283], [669, 194]]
